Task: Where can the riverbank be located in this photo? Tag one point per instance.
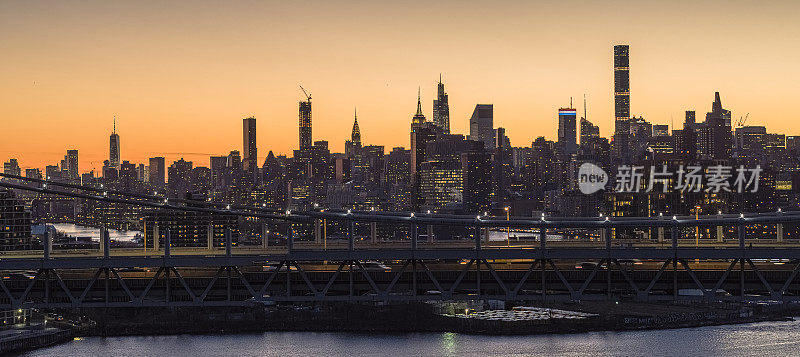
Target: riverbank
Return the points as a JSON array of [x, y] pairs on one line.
[[25, 338], [420, 317]]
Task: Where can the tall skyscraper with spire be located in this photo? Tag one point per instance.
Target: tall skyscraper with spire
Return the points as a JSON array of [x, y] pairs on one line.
[[355, 136], [352, 147], [441, 109], [419, 118], [113, 150], [249, 145], [622, 103]]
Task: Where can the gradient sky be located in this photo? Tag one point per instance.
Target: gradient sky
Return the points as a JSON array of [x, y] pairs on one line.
[[180, 76]]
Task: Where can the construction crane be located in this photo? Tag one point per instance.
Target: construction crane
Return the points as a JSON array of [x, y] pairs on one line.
[[742, 120], [306, 93]]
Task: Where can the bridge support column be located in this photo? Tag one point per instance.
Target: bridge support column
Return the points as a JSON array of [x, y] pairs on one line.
[[430, 233], [486, 235], [167, 243], [543, 240], [156, 237], [674, 234], [102, 241], [779, 232], [210, 237], [608, 241], [373, 232], [740, 230], [351, 237], [414, 235], [477, 237], [661, 234], [48, 243], [289, 239], [264, 236], [720, 234], [317, 231], [105, 242], [228, 242]]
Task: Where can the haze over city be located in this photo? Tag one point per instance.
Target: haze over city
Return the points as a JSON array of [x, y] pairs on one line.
[[180, 76]]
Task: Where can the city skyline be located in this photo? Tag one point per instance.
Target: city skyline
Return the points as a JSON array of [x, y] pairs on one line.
[[168, 114]]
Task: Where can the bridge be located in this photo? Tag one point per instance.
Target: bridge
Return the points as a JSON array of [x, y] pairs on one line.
[[666, 266]]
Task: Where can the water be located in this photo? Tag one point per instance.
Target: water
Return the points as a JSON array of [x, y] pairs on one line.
[[762, 339], [82, 231]]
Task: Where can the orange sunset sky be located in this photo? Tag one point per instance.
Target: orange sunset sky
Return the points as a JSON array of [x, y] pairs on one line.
[[180, 75]]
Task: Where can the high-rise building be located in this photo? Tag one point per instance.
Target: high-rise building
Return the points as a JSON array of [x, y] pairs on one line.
[[15, 223], [157, 172], [305, 124], [567, 131], [418, 119], [11, 167], [481, 125], [660, 130], [71, 161], [501, 140], [589, 131], [441, 109], [33, 173], [476, 166], [622, 102], [250, 150], [114, 151], [353, 146], [718, 121]]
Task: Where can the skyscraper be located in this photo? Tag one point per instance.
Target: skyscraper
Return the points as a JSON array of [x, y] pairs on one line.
[[481, 125], [305, 124], [250, 150], [719, 124], [588, 131], [419, 118], [441, 109], [567, 131], [353, 146], [72, 164], [622, 102], [157, 172], [113, 152]]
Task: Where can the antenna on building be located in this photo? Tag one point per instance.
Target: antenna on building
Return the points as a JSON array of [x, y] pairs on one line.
[[114, 130], [570, 102], [584, 107]]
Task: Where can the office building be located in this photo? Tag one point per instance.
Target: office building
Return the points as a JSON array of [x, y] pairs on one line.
[[481, 125], [305, 124], [249, 145], [622, 102], [114, 149], [441, 109], [567, 131], [15, 223], [157, 172]]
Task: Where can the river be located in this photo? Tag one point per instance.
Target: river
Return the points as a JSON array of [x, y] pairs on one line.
[[762, 339]]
